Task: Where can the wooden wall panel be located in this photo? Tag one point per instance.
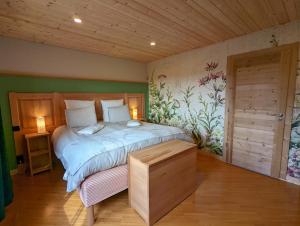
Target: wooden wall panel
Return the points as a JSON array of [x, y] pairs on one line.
[[26, 107], [134, 101], [30, 109], [295, 57]]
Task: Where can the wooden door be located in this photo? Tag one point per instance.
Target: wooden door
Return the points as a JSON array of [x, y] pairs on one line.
[[257, 93]]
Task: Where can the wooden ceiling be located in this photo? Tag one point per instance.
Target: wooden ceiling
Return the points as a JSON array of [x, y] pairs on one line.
[[124, 28]]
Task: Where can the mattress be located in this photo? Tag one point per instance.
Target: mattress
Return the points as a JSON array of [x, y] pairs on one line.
[[84, 155]]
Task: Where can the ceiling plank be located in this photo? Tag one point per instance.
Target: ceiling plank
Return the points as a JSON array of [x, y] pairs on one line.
[[149, 17], [203, 19], [211, 17], [113, 32], [297, 3], [279, 11], [125, 28], [257, 10], [291, 8], [238, 9], [269, 12], [233, 19], [176, 14], [28, 31]]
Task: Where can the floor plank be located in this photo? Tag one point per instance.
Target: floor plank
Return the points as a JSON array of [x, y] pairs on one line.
[[226, 195]]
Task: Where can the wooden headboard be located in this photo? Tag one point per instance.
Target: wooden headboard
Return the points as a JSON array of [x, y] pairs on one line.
[[26, 107]]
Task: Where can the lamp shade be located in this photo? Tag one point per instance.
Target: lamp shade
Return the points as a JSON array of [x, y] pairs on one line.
[[135, 113], [41, 125]]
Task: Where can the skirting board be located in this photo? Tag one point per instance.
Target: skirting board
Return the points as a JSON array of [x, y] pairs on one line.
[[292, 180]]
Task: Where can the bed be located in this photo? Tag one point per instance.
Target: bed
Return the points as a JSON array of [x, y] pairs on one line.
[[84, 155], [96, 165]]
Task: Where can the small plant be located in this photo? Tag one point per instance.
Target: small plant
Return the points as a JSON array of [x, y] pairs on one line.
[[209, 114], [274, 41], [163, 105], [191, 123]]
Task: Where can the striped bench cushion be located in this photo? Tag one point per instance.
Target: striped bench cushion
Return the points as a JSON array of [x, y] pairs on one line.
[[103, 185]]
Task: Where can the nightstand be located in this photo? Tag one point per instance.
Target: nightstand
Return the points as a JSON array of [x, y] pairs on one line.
[[39, 152]]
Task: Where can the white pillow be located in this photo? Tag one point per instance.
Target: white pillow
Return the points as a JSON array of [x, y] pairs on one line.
[[133, 123], [73, 104], [89, 130], [81, 117], [118, 114], [107, 104]]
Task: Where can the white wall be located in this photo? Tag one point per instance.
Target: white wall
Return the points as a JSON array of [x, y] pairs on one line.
[[22, 57]]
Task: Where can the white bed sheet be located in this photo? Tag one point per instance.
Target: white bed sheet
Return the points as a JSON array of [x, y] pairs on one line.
[[84, 155]]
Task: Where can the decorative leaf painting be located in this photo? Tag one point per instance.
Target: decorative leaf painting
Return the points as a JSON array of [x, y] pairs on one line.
[[198, 108], [294, 152]]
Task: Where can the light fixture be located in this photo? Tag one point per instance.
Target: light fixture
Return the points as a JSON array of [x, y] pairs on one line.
[[77, 20], [152, 43], [41, 125], [134, 113]]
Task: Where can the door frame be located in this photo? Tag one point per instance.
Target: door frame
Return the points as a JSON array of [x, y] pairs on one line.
[[289, 59]]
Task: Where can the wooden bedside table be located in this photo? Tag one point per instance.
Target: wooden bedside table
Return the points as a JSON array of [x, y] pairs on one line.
[[39, 152]]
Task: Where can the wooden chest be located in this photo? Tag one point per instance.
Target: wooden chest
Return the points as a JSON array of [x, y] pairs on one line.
[[160, 177]]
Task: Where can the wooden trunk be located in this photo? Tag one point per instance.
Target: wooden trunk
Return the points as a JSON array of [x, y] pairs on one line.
[[160, 177]]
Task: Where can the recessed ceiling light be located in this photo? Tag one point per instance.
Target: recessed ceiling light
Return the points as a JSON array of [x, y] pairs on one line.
[[77, 20], [152, 43]]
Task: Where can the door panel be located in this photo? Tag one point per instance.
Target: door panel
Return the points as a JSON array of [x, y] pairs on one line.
[[258, 87]]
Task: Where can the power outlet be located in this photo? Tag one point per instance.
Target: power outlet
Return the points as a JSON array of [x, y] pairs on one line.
[[20, 159]]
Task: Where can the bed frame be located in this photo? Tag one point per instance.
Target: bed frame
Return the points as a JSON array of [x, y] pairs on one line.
[[101, 186], [26, 107]]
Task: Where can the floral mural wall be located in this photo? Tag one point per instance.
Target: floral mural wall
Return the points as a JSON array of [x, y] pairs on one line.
[[187, 90], [294, 153], [198, 108]]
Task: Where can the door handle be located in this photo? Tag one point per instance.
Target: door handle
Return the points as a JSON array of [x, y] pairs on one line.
[[280, 116]]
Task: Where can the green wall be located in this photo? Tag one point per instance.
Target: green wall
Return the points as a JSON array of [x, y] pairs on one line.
[[39, 84]]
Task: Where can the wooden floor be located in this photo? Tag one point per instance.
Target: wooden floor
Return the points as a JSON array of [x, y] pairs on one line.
[[227, 195]]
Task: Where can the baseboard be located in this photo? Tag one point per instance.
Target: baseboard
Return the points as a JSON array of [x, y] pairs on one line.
[[207, 152], [292, 180]]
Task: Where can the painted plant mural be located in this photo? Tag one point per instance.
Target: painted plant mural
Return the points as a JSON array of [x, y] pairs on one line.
[[198, 108], [294, 153], [163, 106]]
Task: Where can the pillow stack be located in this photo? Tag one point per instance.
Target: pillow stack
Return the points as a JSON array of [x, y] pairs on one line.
[[80, 113], [115, 111]]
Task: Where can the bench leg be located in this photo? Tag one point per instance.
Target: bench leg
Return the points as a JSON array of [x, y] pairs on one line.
[[90, 216]]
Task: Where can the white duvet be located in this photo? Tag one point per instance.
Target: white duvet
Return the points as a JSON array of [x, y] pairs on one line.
[[84, 155]]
